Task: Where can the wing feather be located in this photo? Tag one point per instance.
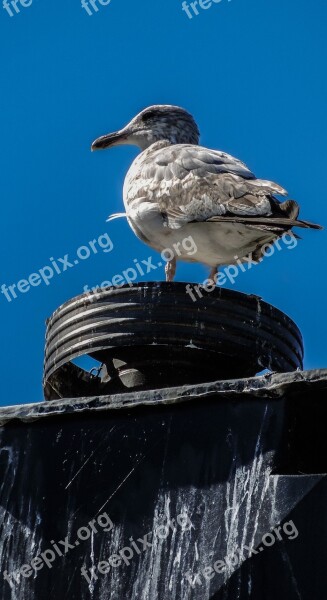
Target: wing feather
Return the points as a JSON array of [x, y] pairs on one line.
[[192, 183]]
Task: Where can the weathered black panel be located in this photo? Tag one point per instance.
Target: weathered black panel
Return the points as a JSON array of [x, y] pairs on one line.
[[224, 453]]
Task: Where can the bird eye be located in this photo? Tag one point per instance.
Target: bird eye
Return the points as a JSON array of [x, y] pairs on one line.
[[151, 114]]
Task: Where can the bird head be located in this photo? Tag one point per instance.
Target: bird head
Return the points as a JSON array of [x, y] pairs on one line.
[[160, 122]]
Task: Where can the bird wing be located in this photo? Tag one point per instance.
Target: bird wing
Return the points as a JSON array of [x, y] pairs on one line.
[[192, 183]]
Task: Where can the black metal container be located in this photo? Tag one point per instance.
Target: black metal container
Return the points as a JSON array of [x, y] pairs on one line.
[[175, 472]]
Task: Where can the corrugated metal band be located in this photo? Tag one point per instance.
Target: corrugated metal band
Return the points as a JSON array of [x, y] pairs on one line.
[[223, 322]]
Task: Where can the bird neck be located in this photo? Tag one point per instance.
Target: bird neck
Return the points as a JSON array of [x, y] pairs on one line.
[[156, 146]]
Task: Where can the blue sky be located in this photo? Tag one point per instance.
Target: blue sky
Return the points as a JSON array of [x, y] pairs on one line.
[[253, 75]]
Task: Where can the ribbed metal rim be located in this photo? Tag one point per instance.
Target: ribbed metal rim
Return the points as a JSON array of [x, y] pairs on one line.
[[223, 321]]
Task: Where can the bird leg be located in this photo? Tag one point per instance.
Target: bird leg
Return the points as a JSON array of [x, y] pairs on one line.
[[170, 269], [213, 275]]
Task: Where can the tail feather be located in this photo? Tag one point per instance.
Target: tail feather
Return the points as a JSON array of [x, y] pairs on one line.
[[284, 214], [267, 222], [308, 225]]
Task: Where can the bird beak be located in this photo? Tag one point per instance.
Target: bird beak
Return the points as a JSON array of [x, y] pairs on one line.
[[111, 139]]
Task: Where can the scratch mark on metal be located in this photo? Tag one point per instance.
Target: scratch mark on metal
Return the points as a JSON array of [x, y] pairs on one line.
[[87, 460]]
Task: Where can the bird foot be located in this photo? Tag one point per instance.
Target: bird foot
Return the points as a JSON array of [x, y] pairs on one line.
[[170, 269]]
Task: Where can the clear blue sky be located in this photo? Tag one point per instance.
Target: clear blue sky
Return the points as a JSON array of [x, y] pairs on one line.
[[253, 73]]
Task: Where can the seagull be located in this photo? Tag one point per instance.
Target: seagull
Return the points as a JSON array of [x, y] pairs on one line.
[[176, 189]]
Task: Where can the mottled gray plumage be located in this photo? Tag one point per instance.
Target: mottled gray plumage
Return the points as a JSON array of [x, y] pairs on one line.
[[175, 189]]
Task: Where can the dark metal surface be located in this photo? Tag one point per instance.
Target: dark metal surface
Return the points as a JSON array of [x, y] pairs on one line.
[[153, 335], [240, 458]]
